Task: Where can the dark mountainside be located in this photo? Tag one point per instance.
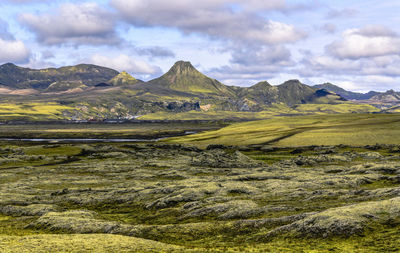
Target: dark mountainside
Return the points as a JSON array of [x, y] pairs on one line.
[[346, 94]]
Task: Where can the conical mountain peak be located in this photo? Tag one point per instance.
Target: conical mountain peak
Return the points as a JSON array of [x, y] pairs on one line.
[[185, 78], [183, 68]]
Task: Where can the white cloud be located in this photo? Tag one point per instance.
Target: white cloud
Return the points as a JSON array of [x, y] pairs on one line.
[[263, 5], [276, 33], [262, 56], [211, 18], [376, 31], [73, 23], [13, 51], [367, 42], [313, 65], [125, 63]]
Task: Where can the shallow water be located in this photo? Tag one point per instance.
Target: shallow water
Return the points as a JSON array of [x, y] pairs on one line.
[[88, 140], [81, 140]]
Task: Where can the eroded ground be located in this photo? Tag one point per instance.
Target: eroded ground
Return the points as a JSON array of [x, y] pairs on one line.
[[167, 198]]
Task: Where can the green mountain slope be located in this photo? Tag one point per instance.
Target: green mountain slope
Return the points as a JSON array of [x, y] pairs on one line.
[[18, 77]]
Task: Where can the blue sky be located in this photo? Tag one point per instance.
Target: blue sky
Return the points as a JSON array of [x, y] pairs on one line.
[[354, 44]]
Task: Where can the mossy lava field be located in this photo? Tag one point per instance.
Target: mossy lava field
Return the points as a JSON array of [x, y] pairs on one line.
[[159, 197]]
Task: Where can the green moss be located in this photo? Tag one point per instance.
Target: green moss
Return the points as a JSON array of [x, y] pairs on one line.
[[215, 200], [16, 226]]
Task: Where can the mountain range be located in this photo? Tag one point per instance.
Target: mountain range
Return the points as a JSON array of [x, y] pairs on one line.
[[383, 100], [99, 92]]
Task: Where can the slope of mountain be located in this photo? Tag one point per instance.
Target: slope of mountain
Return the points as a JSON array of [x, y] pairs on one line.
[[346, 94], [64, 86], [123, 78], [22, 78], [184, 77]]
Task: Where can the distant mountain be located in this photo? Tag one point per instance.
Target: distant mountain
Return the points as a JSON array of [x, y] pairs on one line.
[[388, 96], [346, 94], [23, 78], [290, 92]]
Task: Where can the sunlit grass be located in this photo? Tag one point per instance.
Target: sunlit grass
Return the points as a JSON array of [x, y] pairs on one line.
[[351, 129], [33, 110]]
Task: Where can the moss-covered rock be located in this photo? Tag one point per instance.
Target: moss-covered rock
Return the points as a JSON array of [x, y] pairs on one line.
[[344, 221], [30, 210]]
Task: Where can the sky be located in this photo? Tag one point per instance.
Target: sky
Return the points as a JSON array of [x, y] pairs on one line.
[[353, 44]]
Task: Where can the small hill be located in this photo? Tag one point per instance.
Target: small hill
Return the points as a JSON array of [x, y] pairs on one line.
[[184, 77], [123, 78], [294, 92], [22, 78]]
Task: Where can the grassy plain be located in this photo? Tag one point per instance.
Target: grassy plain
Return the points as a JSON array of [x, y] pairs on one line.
[[325, 129], [32, 111]]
